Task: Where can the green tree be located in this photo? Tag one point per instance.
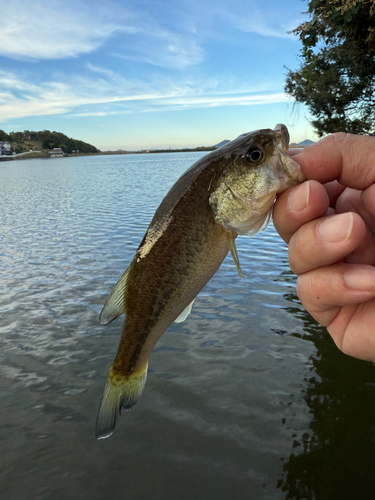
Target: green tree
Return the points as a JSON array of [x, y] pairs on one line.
[[4, 136], [336, 79], [54, 139], [16, 137]]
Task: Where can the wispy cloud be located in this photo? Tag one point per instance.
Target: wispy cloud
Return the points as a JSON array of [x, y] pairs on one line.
[[53, 29], [134, 56], [258, 18], [160, 47], [154, 32], [109, 95], [266, 19], [62, 28]]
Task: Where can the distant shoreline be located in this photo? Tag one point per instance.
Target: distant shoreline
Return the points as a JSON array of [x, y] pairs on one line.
[[45, 156]]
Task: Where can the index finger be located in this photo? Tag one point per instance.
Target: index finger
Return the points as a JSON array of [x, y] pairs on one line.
[[347, 158]]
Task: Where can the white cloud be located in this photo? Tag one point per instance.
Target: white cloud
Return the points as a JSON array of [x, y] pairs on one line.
[[51, 30], [158, 33], [184, 102], [112, 94], [62, 28], [161, 47], [268, 18], [263, 21]]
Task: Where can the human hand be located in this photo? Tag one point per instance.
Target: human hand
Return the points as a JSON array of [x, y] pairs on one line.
[[329, 223]]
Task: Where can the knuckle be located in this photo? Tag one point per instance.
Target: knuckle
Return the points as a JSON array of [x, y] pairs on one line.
[[306, 289]]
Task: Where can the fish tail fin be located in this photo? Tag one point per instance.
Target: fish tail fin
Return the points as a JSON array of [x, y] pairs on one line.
[[119, 393]]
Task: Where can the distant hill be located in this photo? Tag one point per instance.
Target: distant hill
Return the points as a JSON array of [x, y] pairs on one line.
[[44, 141], [222, 143], [306, 142]]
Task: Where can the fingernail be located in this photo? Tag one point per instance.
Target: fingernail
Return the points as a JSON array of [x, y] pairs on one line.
[[299, 198], [360, 279], [337, 228]]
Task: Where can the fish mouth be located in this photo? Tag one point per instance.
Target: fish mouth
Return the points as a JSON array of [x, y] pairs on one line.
[[281, 169], [286, 169], [282, 136]]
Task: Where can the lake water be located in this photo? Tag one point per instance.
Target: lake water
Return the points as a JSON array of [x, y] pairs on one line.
[[247, 399]]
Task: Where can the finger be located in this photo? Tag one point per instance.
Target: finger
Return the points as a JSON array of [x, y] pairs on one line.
[[334, 189], [325, 241], [352, 330], [294, 151], [364, 253], [368, 201], [299, 205], [325, 290], [342, 298], [348, 158], [351, 200]]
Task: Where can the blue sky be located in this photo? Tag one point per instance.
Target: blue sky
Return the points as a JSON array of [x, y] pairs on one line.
[[149, 73]]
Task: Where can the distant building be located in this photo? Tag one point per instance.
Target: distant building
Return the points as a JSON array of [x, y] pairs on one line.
[[56, 153], [5, 148]]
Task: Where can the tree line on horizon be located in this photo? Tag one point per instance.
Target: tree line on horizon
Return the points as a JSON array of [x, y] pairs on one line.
[[48, 140]]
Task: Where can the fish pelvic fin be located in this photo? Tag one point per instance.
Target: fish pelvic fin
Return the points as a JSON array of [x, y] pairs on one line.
[[185, 313], [233, 251], [115, 304], [119, 393]]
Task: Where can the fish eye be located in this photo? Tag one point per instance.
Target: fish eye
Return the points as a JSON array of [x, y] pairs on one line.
[[255, 154]]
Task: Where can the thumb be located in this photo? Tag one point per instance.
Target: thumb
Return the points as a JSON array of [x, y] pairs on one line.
[[347, 158]]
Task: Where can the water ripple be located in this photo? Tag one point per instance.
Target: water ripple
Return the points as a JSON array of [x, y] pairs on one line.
[[219, 383]]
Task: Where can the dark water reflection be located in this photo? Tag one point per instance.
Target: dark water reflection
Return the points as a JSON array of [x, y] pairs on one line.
[[248, 398], [334, 458]]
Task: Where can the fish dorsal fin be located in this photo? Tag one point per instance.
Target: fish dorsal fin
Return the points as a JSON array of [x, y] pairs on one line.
[[233, 251], [115, 304], [185, 313]]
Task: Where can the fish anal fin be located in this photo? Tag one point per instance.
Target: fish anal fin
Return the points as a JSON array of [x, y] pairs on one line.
[[185, 313], [115, 304], [119, 393], [233, 250]]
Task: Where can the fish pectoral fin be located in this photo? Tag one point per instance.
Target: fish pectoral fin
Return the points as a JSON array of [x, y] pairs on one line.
[[233, 250], [185, 313], [115, 304], [118, 395]]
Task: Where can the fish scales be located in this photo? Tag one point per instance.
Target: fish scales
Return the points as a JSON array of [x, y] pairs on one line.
[[177, 266], [230, 191]]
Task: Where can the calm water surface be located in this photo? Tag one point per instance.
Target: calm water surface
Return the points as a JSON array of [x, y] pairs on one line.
[[247, 399]]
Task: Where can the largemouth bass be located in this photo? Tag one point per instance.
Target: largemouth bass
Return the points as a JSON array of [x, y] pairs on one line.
[[229, 191]]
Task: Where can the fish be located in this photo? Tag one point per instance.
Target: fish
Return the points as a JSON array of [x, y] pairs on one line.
[[228, 192]]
